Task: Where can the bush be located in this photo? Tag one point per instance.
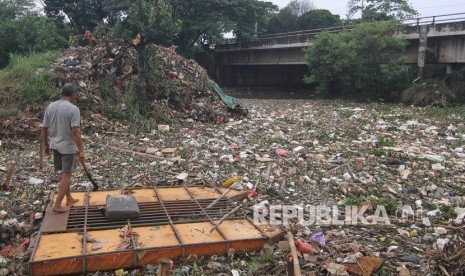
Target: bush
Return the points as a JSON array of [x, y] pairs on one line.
[[29, 33], [26, 81], [367, 62]]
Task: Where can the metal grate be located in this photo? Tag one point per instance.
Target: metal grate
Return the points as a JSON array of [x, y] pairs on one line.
[[152, 214]]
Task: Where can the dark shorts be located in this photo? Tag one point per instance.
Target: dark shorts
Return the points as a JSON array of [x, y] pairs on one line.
[[64, 162]]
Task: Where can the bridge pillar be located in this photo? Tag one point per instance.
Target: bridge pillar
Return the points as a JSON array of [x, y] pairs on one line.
[[423, 34]]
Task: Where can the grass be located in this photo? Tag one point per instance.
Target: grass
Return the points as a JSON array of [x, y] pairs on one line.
[[352, 133], [447, 212], [353, 201], [386, 142], [346, 113], [25, 81], [428, 205], [389, 204], [257, 262], [452, 115], [379, 152]]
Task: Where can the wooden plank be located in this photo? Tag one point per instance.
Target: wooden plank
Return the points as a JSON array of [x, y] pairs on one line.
[[164, 267], [293, 262], [10, 173], [54, 222]]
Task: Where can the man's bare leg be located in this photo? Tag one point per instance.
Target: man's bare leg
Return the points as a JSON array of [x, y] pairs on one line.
[[69, 199], [63, 189]]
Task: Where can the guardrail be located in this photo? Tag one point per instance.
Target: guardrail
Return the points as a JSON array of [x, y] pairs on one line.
[[307, 36]]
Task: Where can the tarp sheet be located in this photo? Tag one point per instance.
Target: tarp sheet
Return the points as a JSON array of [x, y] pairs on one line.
[[227, 100]]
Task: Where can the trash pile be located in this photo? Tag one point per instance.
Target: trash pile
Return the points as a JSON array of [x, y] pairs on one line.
[[429, 93], [109, 68], [403, 164]]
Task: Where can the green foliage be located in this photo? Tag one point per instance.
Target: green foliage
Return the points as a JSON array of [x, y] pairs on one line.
[[316, 19], [283, 21], [356, 201], [83, 15], [379, 10], [386, 142], [245, 14], [205, 21], [37, 33], [457, 84], [447, 212], [257, 262], [379, 152], [346, 113], [151, 19], [23, 31], [146, 22], [12, 9], [428, 205], [366, 62], [288, 18], [188, 23], [389, 204], [26, 81]]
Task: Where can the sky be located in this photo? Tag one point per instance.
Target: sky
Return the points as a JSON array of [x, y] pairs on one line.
[[424, 7]]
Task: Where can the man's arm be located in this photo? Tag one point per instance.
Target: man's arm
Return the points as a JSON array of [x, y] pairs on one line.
[[44, 140], [78, 141]]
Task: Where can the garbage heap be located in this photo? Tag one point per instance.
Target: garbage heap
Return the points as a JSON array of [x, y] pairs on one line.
[[108, 70]]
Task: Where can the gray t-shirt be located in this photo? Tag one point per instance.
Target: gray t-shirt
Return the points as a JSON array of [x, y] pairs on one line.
[[60, 117]]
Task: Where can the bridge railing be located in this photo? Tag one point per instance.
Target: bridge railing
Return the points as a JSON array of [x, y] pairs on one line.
[[436, 19], [307, 36]]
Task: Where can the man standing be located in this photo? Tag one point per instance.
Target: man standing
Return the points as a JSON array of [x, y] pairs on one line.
[[62, 118]]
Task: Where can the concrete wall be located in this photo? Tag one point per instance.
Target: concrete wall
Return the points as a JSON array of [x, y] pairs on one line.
[[269, 56], [262, 75], [280, 61]]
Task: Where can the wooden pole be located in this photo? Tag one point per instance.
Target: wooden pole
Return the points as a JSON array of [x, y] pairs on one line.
[[225, 217], [294, 267], [41, 154], [11, 171], [164, 267], [218, 199]]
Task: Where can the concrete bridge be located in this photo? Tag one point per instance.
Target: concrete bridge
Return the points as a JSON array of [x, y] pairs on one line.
[[436, 47]]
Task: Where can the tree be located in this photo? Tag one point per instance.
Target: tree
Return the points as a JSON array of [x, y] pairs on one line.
[[283, 21], [204, 21], [246, 14], [22, 30], [146, 21], [82, 14], [13, 9], [299, 7], [38, 34], [377, 10], [367, 61], [316, 19], [286, 20]]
